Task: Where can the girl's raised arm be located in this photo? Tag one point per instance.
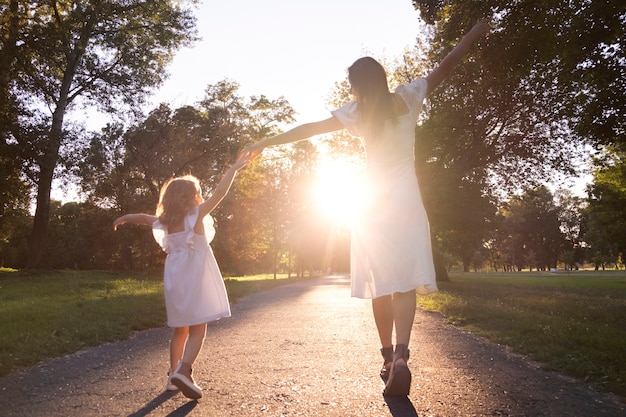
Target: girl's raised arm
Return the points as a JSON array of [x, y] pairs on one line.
[[456, 55], [135, 218], [223, 187]]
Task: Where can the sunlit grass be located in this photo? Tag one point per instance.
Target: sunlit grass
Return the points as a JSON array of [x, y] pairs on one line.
[[573, 323], [49, 314]]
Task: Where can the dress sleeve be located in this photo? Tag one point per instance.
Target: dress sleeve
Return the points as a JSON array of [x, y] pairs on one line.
[[209, 229], [348, 116], [158, 231], [207, 221], [414, 93]]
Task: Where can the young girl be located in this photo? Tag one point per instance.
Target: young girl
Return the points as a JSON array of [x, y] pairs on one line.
[[391, 256], [194, 289]]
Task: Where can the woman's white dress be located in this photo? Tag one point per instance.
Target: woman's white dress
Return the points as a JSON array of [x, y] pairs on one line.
[[193, 284], [391, 248]]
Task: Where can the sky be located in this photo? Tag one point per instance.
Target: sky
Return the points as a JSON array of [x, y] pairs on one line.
[[290, 48]]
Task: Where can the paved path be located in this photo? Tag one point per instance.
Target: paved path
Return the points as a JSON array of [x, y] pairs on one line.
[[305, 349]]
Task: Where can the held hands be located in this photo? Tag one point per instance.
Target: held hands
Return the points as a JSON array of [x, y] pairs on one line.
[[253, 150], [243, 159]]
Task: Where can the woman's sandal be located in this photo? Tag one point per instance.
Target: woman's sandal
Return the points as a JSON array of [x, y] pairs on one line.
[[399, 382], [387, 353]]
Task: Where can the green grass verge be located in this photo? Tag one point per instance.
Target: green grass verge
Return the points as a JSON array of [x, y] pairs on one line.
[[572, 323], [49, 314]]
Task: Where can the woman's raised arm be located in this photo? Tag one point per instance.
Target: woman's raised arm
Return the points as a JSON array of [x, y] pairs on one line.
[[456, 55], [300, 132]]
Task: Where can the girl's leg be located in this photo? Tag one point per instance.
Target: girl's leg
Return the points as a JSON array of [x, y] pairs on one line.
[[194, 343], [182, 376], [177, 346]]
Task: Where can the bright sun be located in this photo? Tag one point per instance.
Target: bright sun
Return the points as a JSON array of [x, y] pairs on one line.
[[338, 190]]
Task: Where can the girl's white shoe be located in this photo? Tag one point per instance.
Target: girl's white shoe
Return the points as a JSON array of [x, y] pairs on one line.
[[169, 386], [185, 384]]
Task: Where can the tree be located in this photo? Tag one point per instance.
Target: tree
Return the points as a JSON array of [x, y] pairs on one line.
[[571, 208], [73, 231], [605, 215], [14, 228], [64, 54], [516, 111], [14, 191], [124, 169], [242, 217], [569, 54], [530, 230]]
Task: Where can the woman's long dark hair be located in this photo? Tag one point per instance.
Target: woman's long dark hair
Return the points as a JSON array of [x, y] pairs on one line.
[[368, 79]]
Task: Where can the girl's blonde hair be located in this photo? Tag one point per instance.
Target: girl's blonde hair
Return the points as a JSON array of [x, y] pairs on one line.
[[178, 196]]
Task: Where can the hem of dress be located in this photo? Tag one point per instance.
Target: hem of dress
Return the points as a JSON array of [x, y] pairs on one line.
[[423, 289], [196, 322]]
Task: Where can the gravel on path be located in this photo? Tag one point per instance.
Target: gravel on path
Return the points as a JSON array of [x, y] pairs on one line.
[[303, 349]]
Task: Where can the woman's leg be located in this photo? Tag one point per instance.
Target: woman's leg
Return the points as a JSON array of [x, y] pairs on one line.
[[403, 315], [399, 380], [383, 317], [177, 346]]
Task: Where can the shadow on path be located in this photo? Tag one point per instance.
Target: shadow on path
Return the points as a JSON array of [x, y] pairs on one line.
[[183, 410], [154, 404], [401, 407]]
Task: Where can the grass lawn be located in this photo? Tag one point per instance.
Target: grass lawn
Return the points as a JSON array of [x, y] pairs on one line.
[[574, 323], [49, 314]]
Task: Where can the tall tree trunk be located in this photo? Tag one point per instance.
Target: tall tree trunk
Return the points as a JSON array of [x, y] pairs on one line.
[[47, 165], [441, 273], [38, 239], [50, 159]]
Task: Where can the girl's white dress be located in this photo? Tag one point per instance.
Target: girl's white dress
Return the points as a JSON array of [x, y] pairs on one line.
[[391, 248], [193, 285]]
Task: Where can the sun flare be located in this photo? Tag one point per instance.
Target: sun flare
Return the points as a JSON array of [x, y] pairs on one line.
[[338, 190]]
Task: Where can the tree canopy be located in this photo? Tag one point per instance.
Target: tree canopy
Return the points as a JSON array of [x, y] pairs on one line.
[[523, 109], [519, 111], [605, 220], [62, 54]]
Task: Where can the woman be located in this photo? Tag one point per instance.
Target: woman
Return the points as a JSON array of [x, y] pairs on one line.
[[391, 255]]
